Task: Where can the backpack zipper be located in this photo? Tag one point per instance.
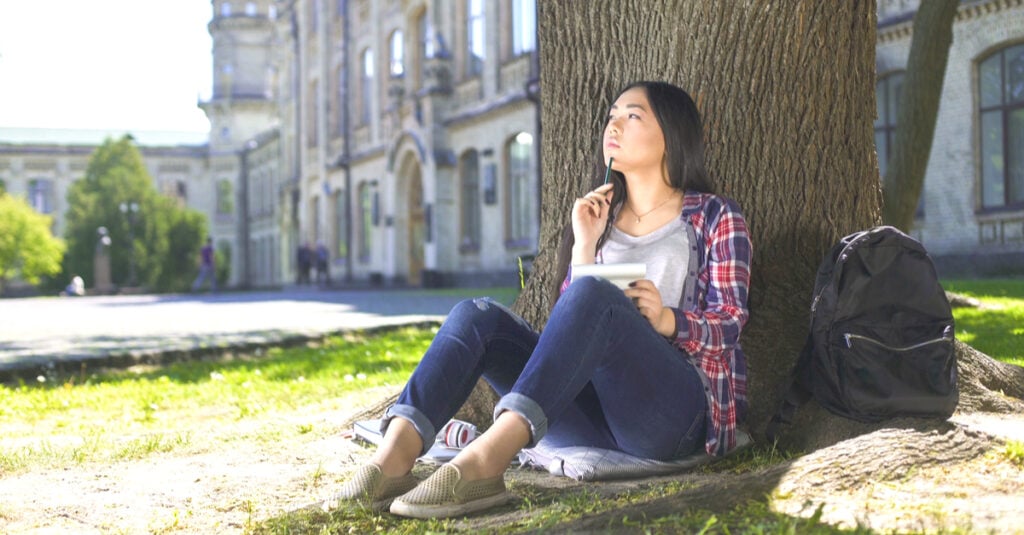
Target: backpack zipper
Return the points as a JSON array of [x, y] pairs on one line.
[[850, 337]]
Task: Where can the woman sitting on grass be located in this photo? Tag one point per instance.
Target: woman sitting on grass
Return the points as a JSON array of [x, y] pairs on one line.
[[654, 370]]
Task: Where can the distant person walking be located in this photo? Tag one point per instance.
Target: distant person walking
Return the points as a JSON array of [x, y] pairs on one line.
[[323, 274], [207, 271], [304, 257]]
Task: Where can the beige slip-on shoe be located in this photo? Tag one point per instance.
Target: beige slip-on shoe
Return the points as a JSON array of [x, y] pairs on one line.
[[445, 494], [369, 488]]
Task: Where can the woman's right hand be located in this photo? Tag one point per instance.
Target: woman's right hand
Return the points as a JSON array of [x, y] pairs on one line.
[[589, 218]]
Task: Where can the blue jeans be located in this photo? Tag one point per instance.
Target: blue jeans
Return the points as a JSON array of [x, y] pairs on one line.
[[599, 375]]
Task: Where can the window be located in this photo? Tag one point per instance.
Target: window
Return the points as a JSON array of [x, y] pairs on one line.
[[887, 106], [397, 54], [426, 48], [339, 120], [40, 195], [366, 87], [365, 221], [887, 101], [475, 37], [312, 128], [225, 9], [315, 210], [272, 12], [225, 197], [314, 15], [340, 225], [519, 202], [1001, 81], [250, 9], [524, 26], [469, 170]]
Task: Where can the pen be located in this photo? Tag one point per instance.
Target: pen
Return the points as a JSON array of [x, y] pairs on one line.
[[608, 170]]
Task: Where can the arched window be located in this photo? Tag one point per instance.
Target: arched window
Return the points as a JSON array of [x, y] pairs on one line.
[[225, 9], [519, 202], [475, 37], [524, 26], [469, 227], [397, 57], [366, 87], [1001, 109]]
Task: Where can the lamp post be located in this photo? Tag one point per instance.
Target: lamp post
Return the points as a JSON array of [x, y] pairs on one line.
[[129, 210]]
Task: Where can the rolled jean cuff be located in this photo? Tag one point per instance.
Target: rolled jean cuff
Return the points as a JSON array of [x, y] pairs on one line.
[[529, 410], [418, 420]]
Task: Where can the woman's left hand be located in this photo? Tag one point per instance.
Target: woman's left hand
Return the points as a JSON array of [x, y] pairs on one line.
[[647, 298]]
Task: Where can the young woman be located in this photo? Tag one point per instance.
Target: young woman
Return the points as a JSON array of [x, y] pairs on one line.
[[654, 370]]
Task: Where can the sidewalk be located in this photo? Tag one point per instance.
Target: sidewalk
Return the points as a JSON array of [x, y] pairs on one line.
[[40, 335]]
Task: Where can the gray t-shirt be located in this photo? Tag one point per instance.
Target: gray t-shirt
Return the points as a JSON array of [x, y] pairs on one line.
[[666, 251]]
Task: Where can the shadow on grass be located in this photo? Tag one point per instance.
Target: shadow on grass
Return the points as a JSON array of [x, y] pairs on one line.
[[335, 356]]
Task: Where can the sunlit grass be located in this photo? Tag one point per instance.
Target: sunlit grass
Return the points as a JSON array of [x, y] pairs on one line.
[[130, 414], [996, 328]]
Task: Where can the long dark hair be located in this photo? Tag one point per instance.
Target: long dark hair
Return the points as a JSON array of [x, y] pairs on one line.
[[683, 130]]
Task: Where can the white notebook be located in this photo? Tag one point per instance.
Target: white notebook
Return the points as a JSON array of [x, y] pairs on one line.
[[618, 274]]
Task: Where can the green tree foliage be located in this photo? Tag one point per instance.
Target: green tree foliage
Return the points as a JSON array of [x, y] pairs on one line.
[[164, 238], [28, 249]]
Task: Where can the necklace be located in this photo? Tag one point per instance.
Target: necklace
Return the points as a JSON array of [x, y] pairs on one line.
[[647, 213]]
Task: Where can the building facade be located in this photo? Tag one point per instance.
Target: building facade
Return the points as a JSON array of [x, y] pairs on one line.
[[416, 135], [403, 135], [971, 214]]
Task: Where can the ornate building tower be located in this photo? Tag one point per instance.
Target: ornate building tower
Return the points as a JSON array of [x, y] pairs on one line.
[[243, 104]]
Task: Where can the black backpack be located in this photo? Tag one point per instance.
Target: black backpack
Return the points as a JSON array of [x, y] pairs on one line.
[[881, 339]]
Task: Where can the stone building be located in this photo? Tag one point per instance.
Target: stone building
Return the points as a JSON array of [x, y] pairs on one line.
[[971, 214], [416, 136]]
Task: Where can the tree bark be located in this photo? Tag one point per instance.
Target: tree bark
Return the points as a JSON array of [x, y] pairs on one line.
[[915, 122], [891, 454]]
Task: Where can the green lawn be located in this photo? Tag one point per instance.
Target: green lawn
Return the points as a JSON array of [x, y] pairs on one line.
[[997, 327], [134, 413]]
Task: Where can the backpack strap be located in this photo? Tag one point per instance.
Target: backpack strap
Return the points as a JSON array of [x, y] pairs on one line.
[[797, 393]]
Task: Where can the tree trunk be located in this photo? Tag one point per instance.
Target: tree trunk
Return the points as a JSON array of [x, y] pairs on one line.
[[786, 90], [915, 122]]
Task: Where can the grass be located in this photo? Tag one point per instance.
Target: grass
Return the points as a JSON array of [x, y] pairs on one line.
[[550, 510], [996, 328], [131, 414]]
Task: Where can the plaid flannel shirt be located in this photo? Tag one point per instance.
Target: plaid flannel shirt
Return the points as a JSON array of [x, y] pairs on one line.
[[713, 311]]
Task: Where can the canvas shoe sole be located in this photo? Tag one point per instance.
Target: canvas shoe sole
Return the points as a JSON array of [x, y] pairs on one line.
[[369, 488], [444, 495]]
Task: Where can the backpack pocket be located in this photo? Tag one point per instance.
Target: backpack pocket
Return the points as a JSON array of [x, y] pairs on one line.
[[885, 373]]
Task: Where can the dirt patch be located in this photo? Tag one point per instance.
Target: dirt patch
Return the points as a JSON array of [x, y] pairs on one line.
[[243, 474]]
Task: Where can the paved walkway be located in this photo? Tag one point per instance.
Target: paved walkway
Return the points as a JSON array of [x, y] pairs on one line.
[[42, 332]]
